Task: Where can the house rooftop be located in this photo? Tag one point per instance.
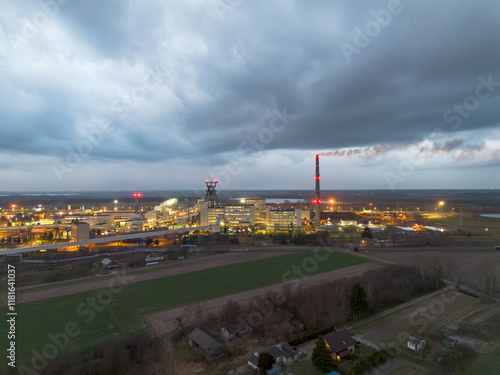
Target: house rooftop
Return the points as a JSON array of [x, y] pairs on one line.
[[281, 349], [205, 341], [254, 360], [106, 261], [414, 340], [339, 340], [236, 327]]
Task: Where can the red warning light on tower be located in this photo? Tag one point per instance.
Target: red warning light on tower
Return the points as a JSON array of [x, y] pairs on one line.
[[316, 177], [137, 195]]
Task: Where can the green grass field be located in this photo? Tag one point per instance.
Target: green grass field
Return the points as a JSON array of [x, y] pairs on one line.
[[488, 363], [125, 313]]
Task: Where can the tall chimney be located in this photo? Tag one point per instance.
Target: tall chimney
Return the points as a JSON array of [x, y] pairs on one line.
[[317, 198]]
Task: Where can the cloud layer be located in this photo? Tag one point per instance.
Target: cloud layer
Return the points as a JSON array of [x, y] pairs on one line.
[[195, 85]]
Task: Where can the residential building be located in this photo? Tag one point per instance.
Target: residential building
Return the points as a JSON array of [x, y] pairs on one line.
[[282, 353], [341, 344]]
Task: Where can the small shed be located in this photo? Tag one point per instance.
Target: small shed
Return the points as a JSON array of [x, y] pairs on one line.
[[153, 257], [107, 264], [253, 361], [203, 342], [234, 330], [415, 344]]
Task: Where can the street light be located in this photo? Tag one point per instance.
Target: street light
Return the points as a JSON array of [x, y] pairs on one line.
[[441, 203], [115, 201]]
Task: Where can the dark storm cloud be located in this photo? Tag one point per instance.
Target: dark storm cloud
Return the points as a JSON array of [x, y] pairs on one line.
[[222, 77], [396, 89]]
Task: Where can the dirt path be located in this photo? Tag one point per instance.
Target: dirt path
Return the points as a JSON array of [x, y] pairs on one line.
[[193, 265], [164, 321]]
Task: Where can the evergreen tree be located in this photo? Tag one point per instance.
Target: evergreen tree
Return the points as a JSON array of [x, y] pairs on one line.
[[367, 233], [357, 300], [266, 361], [322, 356]]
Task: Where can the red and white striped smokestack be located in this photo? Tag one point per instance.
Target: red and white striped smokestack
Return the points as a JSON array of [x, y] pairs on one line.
[[317, 198]]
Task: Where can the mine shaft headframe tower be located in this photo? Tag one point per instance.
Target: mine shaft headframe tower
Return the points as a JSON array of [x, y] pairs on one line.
[[137, 197], [211, 196], [317, 197]]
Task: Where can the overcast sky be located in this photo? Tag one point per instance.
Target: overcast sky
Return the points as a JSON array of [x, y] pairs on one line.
[[129, 94]]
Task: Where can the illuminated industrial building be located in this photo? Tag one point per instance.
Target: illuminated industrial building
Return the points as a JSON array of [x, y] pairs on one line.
[[239, 216], [284, 220], [260, 209]]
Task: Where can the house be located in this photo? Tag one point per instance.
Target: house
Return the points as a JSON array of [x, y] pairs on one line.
[[282, 353], [107, 264], [341, 344], [206, 344], [234, 330], [153, 257], [415, 344]]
